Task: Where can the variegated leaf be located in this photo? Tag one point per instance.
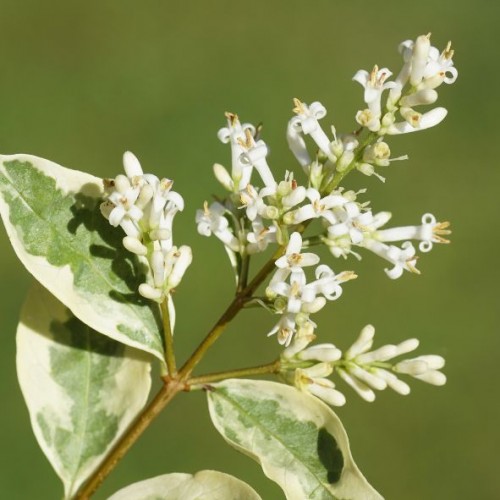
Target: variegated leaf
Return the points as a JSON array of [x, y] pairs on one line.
[[53, 220], [298, 440], [82, 388], [204, 485]]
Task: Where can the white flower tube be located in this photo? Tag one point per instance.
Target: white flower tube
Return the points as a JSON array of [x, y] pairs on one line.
[[254, 155], [183, 258], [419, 58], [307, 120], [401, 258], [297, 144], [428, 233], [374, 84], [234, 134], [427, 120]]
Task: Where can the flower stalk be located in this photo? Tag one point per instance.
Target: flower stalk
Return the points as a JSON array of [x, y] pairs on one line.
[[168, 338]]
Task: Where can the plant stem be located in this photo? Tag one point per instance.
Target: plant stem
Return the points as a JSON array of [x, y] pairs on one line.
[[243, 277], [169, 339], [141, 423], [312, 241], [273, 367], [337, 178], [232, 310]]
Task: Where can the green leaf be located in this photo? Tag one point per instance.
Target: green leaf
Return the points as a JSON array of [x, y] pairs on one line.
[[82, 388], [204, 485], [53, 220], [298, 440]]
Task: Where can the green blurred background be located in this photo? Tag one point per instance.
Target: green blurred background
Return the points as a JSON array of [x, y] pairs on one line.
[[81, 82]]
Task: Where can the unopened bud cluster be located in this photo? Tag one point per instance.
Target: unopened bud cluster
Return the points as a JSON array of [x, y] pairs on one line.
[[144, 207], [364, 370]]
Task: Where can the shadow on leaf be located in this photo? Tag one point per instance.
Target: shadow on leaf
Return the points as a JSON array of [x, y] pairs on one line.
[[330, 455], [105, 243]]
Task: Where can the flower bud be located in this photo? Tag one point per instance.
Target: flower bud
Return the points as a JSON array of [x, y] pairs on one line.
[[134, 245]]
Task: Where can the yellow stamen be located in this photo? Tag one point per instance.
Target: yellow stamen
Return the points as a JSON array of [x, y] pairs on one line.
[[411, 266], [232, 117], [299, 106], [346, 276], [448, 51]]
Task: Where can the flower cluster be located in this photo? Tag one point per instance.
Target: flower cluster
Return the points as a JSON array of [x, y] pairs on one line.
[[424, 70], [260, 211], [362, 229], [144, 207], [293, 297], [363, 369]]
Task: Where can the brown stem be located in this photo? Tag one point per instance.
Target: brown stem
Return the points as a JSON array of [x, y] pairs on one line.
[[339, 176], [273, 367], [243, 277], [233, 309]]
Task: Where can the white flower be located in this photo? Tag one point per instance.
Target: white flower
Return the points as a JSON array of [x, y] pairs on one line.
[[254, 155], [293, 292], [163, 200], [253, 200], [307, 122], [328, 283], [144, 206], [234, 134], [293, 261], [304, 336], [290, 193], [211, 220], [350, 229], [260, 237], [401, 258], [297, 144], [285, 328], [440, 67], [319, 207], [168, 269], [428, 67], [374, 84], [428, 233], [298, 299], [305, 297], [425, 69], [363, 230], [123, 198]]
